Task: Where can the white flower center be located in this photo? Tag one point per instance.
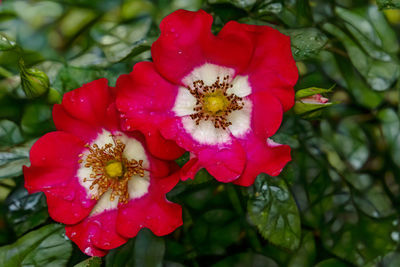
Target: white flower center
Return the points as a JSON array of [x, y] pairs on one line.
[[113, 170], [213, 105]]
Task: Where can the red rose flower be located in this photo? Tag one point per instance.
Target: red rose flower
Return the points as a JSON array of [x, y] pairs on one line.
[[98, 180], [220, 97]]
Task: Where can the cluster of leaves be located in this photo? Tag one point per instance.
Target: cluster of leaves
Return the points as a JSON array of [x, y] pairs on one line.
[[335, 204]]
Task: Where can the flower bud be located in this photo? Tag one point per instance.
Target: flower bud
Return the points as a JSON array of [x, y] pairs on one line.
[[310, 102], [34, 82]]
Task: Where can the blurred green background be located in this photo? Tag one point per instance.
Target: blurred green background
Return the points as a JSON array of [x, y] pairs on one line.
[[335, 204]]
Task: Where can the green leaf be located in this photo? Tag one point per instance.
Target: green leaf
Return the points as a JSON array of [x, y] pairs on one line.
[[10, 133], [121, 256], [380, 74], [306, 253], [91, 262], [12, 160], [374, 201], [149, 249], [351, 142], [357, 87], [37, 119], [119, 41], [46, 246], [5, 43], [26, 211], [306, 42], [246, 259], [273, 210], [387, 4], [243, 4], [392, 259], [359, 240], [391, 132], [309, 111], [332, 263]]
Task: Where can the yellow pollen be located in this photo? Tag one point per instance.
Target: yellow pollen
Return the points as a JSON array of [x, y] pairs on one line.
[[108, 163], [114, 169], [214, 103]]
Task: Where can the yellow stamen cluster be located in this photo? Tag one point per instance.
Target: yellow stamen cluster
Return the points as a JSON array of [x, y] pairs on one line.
[[110, 170], [213, 102]]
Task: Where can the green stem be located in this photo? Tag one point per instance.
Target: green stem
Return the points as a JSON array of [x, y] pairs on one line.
[[5, 73]]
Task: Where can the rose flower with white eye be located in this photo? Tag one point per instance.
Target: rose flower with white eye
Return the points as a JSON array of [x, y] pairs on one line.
[[220, 97], [100, 181]]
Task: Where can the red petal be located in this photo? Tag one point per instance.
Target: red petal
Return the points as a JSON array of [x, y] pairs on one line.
[[272, 67], [154, 212], [267, 157], [224, 163], [266, 115], [54, 165], [186, 42], [54, 160], [96, 234], [89, 103], [69, 203], [67, 123], [161, 147]]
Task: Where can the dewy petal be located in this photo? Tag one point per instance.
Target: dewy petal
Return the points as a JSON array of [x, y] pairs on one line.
[[145, 100], [272, 67], [267, 157], [96, 234], [154, 212], [54, 164], [54, 160], [65, 122], [89, 103], [266, 114], [224, 163], [69, 203], [186, 42]]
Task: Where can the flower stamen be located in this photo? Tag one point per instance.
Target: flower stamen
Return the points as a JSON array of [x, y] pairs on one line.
[[110, 170], [213, 102]]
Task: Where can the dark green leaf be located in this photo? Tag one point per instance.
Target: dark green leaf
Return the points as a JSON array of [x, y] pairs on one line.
[[385, 4], [273, 210], [36, 119], [91, 262], [46, 246], [121, 256], [12, 160], [332, 263], [391, 132], [26, 211], [380, 74], [149, 249], [120, 41], [5, 43], [306, 253], [246, 259], [306, 42], [10, 133], [244, 4]]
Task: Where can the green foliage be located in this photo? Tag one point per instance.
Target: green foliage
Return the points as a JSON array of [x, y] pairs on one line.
[[273, 210], [336, 203], [46, 246], [384, 4]]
